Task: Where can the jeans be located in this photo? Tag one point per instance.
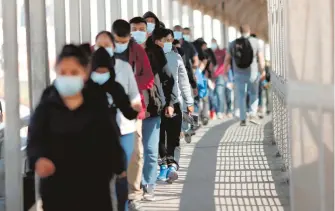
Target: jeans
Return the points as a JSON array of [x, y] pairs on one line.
[[213, 101], [220, 94], [150, 132], [121, 185], [170, 133], [244, 83], [228, 93], [203, 108]]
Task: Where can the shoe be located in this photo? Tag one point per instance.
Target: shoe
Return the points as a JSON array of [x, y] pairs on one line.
[[220, 116], [172, 175], [268, 112], [254, 120], [188, 138], [149, 193], [162, 173], [243, 123], [134, 205], [229, 115]]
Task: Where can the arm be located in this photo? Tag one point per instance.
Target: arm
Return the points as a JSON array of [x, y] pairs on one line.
[[37, 140], [167, 80], [134, 95], [145, 77], [184, 84]]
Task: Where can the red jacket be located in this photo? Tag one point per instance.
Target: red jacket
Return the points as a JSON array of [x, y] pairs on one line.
[[140, 63]]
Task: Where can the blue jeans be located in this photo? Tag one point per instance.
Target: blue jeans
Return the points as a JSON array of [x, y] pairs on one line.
[[220, 94], [244, 83], [121, 185], [150, 133], [228, 93]]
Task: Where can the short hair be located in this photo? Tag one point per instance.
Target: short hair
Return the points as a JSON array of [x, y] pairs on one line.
[[175, 42], [187, 28], [178, 26], [121, 28], [253, 35], [137, 20], [245, 28], [170, 32], [160, 33]]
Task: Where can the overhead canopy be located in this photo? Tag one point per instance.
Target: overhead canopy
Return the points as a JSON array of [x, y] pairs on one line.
[[236, 12]]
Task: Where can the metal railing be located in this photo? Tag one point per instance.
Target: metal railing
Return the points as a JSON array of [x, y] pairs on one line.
[[280, 114]]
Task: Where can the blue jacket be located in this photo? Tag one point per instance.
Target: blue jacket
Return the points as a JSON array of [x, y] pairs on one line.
[[202, 83]]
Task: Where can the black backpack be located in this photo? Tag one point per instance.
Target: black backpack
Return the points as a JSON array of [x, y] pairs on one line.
[[243, 53]]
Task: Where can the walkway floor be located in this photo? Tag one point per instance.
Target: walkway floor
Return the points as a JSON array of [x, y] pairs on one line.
[[226, 168]]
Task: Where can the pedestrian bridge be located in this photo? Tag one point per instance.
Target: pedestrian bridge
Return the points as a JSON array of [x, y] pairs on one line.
[[286, 163]]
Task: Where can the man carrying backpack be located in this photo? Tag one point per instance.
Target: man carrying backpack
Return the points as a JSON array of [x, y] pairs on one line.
[[244, 53]]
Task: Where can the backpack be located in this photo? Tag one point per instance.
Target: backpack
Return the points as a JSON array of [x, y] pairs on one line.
[[243, 53]]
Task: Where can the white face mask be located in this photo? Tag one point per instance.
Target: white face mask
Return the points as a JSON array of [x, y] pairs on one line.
[[150, 27]]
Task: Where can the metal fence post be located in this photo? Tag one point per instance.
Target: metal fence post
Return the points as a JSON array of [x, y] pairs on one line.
[[12, 143]]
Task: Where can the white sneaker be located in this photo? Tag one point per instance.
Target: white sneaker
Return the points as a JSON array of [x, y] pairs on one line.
[[149, 193], [220, 116]]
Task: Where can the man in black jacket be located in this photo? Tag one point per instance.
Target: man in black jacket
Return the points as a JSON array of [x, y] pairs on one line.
[[160, 98]]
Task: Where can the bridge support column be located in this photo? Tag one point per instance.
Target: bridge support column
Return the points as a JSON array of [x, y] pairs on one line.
[[85, 15], [191, 20], [101, 12], [140, 7], [74, 21], [159, 9], [60, 24], [12, 143], [115, 10]]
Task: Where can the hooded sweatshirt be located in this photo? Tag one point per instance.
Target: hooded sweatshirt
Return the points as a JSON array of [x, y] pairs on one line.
[[175, 65]]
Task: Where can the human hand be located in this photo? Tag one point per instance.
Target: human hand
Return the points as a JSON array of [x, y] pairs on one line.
[[169, 111], [137, 106], [195, 92], [190, 109], [44, 167], [122, 175], [230, 85]]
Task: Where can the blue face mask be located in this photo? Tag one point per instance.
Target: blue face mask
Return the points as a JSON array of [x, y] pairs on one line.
[[151, 27], [187, 37], [167, 47], [110, 51], [120, 48], [100, 78], [214, 46], [139, 36], [69, 85], [178, 35]]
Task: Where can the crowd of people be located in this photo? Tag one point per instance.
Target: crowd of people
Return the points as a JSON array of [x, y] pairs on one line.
[[119, 108]]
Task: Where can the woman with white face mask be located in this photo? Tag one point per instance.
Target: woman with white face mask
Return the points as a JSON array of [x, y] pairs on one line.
[[73, 146]]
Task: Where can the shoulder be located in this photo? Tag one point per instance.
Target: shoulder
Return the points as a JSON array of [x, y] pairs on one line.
[[122, 68]]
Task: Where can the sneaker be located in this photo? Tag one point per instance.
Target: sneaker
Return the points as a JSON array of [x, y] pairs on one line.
[[254, 120], [149, 193], [220, 116], [163, 173], [172, 174], [134, 205], [243, 123], [229, 115]]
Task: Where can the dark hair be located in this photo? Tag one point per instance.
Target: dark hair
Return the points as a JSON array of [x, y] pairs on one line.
[[175, 42], [121, 28], [253, 35], [76, 52], [170, 32], [86, 47], [161, 24], [187, 28], [137, 20], [160, 33], [178, 26], [109, 35], [244, 28]]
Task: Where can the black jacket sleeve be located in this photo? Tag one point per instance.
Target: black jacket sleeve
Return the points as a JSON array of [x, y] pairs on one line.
[[37, 140]]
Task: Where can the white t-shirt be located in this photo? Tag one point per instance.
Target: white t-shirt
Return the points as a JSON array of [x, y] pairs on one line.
[[125, 76]]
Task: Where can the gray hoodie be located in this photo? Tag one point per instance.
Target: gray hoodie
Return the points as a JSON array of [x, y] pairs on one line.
[[176, 66]]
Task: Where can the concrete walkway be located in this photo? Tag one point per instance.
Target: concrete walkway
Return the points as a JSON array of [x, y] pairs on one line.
[[226, 168]]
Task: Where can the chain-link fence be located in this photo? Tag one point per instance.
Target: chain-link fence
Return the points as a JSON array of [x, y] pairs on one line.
[[277, 31]]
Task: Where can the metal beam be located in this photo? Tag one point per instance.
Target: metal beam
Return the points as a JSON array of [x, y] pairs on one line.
[[101, 12], [191, 20], [60, 24], [159, 9], [12, 152], [85, 15], [130, 9], [74, 21], [150, 5], [140, 7], [115, 10]]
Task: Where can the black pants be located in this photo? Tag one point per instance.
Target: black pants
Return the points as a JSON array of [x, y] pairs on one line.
[[121, 187], [170, 135]]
